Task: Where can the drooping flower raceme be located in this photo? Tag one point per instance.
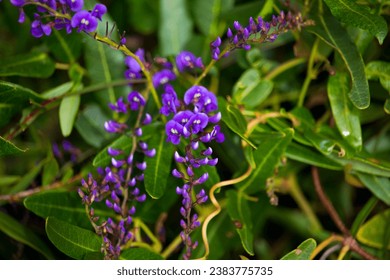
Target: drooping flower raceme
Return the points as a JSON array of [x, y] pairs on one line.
[[120, 181], [60, 14], [256, 31], [195, 121]]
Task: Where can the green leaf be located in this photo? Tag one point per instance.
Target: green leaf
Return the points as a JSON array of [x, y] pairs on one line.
[[69, 108], [8, 148], [386, 107], [23, 234], [365, 164], [334, 34], [345, 114], [50, 171], [267, 157], [309, 156], [13, 98], [250, 90], [90, 125], [58, 91], [207, 14], [379, 70], [376, 231], [349, 12], [34, 65], [139, 254], [143, 16], [65, 47], [303, 251], [240, 214], [63, 205], [379, 186], [73, 241], [124, 143], [175, 26], [159, 166], [27, 179], [233, 118]]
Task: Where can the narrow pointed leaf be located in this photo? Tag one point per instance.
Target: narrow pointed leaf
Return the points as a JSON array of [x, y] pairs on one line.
[[334, 34], [8, 148], [233, 118], [303, 251], [23, 234], [344, 113], [73, 241], [34, 65], [158, 167], [13, 98], [379, 186], [63, 205], [240, 214], [267, 157], [351, 13]]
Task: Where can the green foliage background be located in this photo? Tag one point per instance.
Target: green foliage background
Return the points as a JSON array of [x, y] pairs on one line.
[[318, 97]]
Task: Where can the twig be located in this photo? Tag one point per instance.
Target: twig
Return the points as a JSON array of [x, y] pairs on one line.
[[20, 195], [349, 242], [326, 202]]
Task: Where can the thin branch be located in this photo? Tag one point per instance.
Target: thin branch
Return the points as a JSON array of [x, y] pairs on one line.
[[349, 241], [20, 195], [327, 203]]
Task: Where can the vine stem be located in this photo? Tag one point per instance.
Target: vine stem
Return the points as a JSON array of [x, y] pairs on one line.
[[284, 67], [217, 206]]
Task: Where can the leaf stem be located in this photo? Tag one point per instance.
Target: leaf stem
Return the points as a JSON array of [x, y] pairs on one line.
[[310, 74], [284, 67]]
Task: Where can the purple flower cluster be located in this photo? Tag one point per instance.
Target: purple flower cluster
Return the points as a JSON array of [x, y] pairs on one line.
[[195, 120], [188, 61], [60, 14], [119, 182], [256, 31]]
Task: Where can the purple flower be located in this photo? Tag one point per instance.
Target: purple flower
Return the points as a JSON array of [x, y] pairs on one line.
[[98, 11], [197, 123], [187, 60], [114, 127], [169, 101], [119, 107], [18, 3], [84, 21], [174, 130], [162, 77], [195, 95], [133, 64], [38, 29], [136, 100], [63, 23], [183, 117]]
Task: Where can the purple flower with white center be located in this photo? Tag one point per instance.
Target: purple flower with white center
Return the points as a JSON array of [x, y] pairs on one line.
[[197, 123], [84, 21], [195, 95], [169, 101], [136, 100], [162, 77], [98, 11], [183, 117], [187, 61], [174, 130]]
